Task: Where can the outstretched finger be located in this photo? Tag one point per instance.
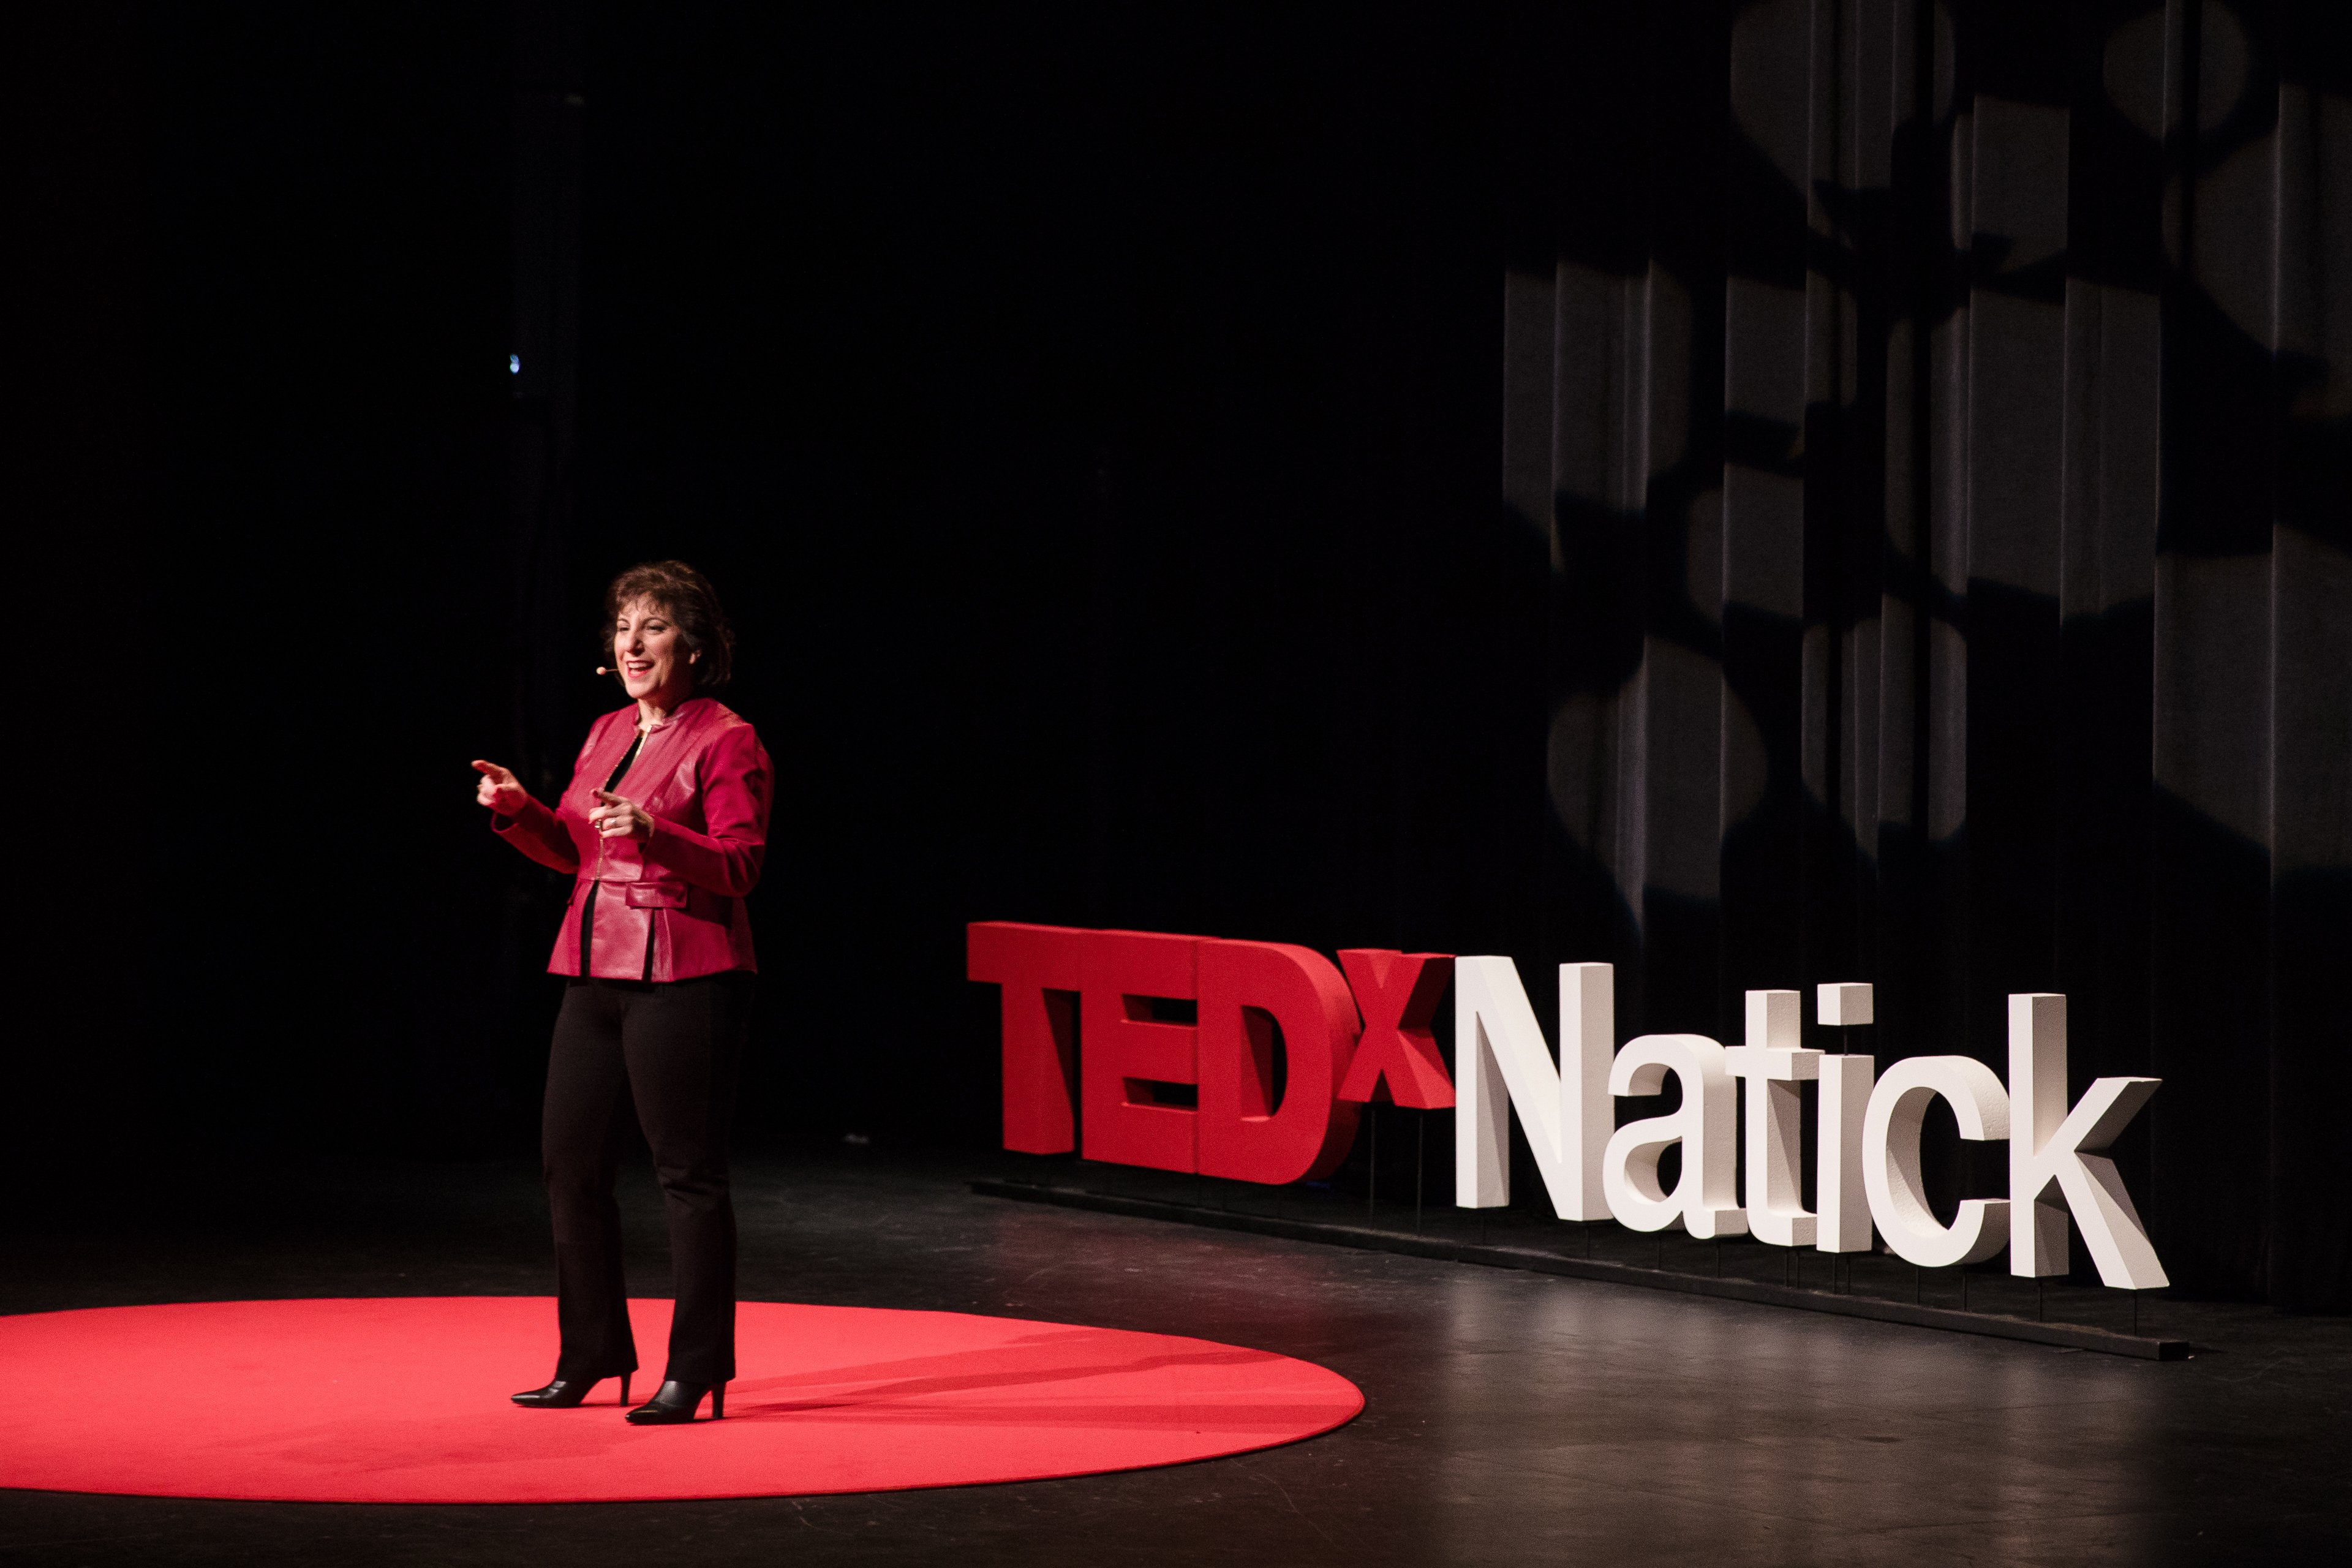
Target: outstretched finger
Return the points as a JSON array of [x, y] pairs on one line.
[[609, 798], [492, 769]]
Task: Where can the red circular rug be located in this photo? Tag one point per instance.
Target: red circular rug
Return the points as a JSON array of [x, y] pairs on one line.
[[404, 1399]]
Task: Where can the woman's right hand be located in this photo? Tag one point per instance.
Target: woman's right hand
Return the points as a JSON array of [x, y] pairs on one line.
[[500, 790]]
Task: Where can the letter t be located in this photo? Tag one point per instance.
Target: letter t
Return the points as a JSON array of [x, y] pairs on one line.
[[1773, 1065]]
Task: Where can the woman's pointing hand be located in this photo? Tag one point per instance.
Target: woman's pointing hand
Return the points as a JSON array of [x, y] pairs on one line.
[[499, 789]]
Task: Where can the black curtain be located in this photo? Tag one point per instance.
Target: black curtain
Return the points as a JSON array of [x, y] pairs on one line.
[[1937, 416], [1932, 420]]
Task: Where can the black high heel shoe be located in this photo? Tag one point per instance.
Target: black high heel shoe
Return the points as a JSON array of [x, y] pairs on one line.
[[674, 1404], [566, 1392]]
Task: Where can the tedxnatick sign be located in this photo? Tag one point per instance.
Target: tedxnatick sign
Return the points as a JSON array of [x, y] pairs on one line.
[[1178, 1072]]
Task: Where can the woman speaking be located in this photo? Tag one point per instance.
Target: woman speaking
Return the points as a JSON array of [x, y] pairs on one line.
[[663, 827]]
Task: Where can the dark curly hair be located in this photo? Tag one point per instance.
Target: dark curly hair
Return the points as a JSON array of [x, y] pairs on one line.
[[687, 597]]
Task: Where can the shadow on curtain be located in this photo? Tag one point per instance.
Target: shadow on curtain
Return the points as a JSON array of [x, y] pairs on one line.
[[1940, 420]]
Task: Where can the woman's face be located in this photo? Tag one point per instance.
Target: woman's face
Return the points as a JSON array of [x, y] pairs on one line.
[[646, 652]]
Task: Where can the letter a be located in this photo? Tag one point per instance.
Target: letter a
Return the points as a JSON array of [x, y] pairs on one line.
[[1704, 1200]]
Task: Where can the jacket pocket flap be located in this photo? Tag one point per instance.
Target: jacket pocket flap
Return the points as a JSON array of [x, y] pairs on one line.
[[656, 895]]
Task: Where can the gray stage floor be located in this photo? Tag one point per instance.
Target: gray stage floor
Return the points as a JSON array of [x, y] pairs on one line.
[[1511, 1418]]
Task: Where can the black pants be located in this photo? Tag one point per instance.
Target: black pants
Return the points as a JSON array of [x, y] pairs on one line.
[[673, 1049]]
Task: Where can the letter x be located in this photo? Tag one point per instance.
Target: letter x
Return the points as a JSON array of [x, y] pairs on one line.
[[1397, 993]]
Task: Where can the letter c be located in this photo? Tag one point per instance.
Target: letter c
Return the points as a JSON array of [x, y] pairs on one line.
[[1890, 1159]]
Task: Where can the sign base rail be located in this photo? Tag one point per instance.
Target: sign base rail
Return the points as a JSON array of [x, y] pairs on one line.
[[1877, 1309]]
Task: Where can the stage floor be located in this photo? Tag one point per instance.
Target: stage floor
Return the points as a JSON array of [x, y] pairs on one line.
[[1512, 1417]]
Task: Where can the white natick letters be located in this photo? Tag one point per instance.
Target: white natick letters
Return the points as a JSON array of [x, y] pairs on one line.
[[1587, 1037], [1706, 1200], [1774, 1066], [1890, 1159], [2054, 1159], [1843, 1004], [1845, 1078], [1868, 1171], [1505, 1063]]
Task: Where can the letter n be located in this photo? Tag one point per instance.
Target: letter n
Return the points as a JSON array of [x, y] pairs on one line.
[[1502, 1063]]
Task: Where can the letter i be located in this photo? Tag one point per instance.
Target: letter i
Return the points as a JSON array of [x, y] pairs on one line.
[[1844, 1205]]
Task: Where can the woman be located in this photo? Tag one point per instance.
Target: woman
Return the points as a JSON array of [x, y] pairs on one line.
[[663, 826]]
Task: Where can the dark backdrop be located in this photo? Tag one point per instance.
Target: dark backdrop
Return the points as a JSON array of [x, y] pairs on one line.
[[1094, 417], [1090, 422]]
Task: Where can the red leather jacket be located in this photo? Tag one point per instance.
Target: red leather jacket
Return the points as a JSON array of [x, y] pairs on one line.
[[669, 907]]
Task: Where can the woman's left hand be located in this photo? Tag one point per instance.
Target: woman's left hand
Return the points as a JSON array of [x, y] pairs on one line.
[[619, 817]]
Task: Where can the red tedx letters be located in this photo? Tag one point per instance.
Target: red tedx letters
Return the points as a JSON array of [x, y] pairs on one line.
[[1399, 993], [1169, 1045], [1249, 990], [1136, 1068], [1038, 968]]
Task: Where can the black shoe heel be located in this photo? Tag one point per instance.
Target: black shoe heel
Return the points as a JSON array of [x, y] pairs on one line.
[[675, 1402]]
